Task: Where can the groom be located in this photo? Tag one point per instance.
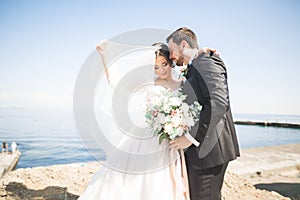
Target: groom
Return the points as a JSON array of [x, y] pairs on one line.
[[212, 142]]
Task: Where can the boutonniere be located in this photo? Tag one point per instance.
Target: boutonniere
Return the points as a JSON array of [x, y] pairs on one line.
[[183, 73]]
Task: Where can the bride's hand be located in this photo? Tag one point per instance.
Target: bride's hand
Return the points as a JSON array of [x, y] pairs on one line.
[[180, 143], [206, 49]]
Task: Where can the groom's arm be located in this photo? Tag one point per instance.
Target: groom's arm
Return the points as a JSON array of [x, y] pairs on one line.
[[212, 82], [212, 79]]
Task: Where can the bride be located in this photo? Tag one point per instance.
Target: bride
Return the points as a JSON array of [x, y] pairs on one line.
[[169, 182]]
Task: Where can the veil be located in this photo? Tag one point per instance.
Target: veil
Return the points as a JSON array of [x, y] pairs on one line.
[[109, 102]]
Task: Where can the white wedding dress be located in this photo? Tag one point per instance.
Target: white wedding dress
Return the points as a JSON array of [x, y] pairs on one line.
[[167, 182], [109, 184], [136, 166]]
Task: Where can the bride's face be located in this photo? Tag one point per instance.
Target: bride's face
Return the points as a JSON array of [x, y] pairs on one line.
[[162, 68]]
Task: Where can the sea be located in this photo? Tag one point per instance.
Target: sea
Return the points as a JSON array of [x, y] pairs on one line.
[[49, 137]]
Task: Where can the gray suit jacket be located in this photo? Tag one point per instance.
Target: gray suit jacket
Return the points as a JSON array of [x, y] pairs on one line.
[[207, 83]]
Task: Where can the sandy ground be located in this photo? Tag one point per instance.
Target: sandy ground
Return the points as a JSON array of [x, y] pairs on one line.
[[274, 168], [68, 181]]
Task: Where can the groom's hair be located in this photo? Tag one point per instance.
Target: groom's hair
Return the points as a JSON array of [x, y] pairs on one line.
[[186, 34]]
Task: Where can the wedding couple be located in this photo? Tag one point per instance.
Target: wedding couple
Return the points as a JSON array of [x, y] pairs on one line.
[[210, 145]]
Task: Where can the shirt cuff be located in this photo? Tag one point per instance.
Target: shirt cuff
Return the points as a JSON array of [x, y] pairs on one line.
[[191, 139]]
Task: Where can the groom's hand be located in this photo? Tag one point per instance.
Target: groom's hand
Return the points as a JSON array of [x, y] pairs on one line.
[[180, 143]]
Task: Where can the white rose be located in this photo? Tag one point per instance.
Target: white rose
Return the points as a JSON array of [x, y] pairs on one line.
[[168, 128], [185, 107], [189, 121], [179, 131], [174, 101], [161, 118], [187, 114], [166, 108], [176, 120], [157, 126]]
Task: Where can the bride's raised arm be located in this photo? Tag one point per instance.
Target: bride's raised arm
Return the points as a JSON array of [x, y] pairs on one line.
[[102, 49]]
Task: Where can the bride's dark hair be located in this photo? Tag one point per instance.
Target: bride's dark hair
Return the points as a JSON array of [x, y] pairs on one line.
[[163, 51]]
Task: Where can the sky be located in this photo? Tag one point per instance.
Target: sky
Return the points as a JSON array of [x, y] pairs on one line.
[[43, 45]]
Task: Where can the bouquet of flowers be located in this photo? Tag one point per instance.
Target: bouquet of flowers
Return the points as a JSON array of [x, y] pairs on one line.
[[169, 116]]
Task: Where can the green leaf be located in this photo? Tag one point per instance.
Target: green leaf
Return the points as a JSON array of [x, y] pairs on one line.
[[162, 137], [183, 97], [156, 132], [148, 115]]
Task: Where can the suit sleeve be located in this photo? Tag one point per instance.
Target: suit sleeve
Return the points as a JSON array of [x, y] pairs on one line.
[[212, 80]]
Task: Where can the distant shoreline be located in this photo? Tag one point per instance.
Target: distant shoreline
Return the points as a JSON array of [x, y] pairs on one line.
[[100, 161], [271, 124]]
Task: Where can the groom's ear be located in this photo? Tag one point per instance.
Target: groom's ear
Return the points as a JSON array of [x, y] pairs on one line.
[[183, 44]]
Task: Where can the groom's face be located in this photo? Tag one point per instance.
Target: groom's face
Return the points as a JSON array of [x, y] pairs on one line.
[[176, 53]]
